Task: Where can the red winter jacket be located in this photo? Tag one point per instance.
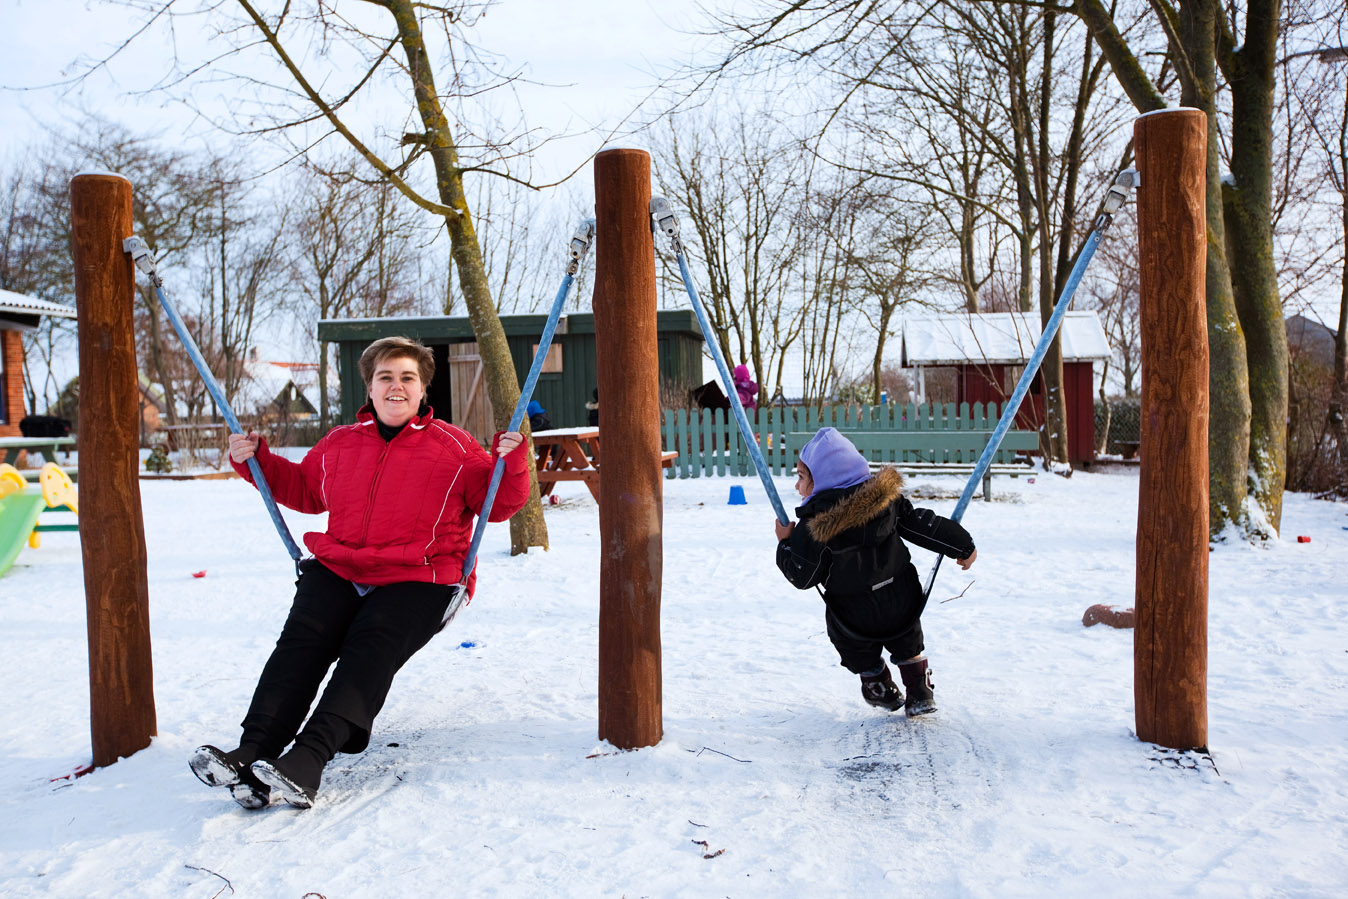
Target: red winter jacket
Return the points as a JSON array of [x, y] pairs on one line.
[[398, 510]]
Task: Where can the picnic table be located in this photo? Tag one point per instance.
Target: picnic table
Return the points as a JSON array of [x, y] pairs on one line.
[[572, 454], [47, 447]]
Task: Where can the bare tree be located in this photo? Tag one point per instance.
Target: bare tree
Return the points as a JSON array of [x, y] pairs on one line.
[[351, 254], [1317, 77], [889, 259], [316, 64], [740, 186]]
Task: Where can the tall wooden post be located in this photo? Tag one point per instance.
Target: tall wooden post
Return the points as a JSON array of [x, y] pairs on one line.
[[112, 535], [630, 487], [1170, 641]]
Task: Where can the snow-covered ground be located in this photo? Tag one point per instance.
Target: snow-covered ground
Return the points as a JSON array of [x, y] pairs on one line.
[[486, 775]]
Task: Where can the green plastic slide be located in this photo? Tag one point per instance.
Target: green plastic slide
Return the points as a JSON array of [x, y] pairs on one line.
[[18, 515]]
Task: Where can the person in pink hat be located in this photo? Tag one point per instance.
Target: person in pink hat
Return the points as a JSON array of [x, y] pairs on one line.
[[746, 387], [851, 546]]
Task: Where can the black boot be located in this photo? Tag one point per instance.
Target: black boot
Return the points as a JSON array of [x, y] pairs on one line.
[[879, 690], [917, 681], [297, 775], [217, 768]]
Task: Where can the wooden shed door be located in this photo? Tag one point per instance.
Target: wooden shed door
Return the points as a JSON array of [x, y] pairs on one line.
[[472, 409]]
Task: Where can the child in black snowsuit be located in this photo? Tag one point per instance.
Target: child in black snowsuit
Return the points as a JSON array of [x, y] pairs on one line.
[[852, 542]]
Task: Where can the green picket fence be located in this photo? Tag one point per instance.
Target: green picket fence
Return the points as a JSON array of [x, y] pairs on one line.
[[709, 443]]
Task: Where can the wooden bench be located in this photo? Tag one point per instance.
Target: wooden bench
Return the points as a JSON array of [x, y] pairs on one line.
[[47, 447], [937, 452]]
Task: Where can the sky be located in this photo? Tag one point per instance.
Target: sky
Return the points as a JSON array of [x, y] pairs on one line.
[[604, 56], [585, 68]]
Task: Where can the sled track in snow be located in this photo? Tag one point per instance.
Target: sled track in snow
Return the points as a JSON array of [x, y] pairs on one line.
[[926, 762]]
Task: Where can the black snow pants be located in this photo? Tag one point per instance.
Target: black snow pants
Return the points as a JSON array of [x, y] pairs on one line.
[[861, 627], [369, 637]]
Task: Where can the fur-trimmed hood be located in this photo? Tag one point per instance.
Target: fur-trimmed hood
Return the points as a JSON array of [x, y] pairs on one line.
[[868, 501]]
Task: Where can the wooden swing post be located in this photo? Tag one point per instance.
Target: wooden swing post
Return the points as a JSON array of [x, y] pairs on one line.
[[631, 501], [1170, 641], [112, 534]]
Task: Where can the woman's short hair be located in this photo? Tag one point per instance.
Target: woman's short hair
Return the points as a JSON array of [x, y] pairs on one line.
[[386, 348]]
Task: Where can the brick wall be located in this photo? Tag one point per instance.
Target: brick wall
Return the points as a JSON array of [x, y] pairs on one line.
[[11, 381]]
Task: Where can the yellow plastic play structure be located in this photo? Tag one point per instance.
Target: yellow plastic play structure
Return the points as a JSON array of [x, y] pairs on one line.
[[20, 506]]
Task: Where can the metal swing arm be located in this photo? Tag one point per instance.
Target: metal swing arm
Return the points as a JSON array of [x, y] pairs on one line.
[[664, 220], [140, 255], [1124, 182], [576, 250]]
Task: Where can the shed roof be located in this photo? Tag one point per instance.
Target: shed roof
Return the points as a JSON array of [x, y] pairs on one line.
[[17, 303], [999, 338], [458, 327]]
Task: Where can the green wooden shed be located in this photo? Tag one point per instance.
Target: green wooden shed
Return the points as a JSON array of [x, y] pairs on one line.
[[457, 393]]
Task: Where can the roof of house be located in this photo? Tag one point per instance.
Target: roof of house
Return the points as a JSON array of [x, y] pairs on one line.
[[267, 379], [25, 305], [1309, 338], [1000, 338]]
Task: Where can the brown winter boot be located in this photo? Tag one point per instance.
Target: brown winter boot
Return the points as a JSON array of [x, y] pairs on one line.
[[879, 690], [917, 681]]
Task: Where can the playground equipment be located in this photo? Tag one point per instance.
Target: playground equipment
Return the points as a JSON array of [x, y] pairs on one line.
[[1118, 193], [664, 219], [579, 246], [631, 505], [1170, 640], [140, 254], [1171, 636], [116, 584], [21, 506]]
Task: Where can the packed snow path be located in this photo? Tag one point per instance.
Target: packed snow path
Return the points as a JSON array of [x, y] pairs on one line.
[[485, 776]]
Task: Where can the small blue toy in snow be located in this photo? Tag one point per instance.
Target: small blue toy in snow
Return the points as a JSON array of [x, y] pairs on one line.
[[737, 496], [467, 644]]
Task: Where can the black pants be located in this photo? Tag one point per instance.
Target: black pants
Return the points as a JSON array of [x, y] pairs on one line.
[[369, 637], [861, 627], [858, 653]]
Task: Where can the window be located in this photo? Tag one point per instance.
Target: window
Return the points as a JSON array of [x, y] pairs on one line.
[[553, 361]]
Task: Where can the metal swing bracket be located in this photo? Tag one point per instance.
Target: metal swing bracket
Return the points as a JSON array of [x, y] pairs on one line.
[[581, 242], [1126, 181], [664, 219], [140, 255]]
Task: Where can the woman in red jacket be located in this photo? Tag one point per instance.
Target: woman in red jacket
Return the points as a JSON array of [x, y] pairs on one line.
[[401, 490]]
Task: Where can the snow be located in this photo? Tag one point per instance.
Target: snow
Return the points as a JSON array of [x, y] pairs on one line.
[[486, 776]]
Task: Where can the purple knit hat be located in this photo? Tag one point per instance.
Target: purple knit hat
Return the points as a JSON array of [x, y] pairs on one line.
[[833, 461]]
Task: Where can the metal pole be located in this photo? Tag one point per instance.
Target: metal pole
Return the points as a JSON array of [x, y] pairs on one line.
[[666, 221], [580, 245]]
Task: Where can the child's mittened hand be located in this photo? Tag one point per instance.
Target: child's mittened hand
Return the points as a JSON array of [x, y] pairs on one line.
[[783, 530], [965, 563]]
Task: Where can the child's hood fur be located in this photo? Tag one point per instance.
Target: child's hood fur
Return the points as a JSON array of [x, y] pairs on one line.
[[869, 501]]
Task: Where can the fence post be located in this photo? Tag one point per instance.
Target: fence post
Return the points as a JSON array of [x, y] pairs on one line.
[[1170, 637], [631, 493], [112, 534]]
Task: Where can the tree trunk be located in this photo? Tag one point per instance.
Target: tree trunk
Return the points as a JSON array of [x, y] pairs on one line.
[[1054, 437], [1229, 381], [324, 413], [1338, 402], [157, 359], [1247, 205], [526, 527]]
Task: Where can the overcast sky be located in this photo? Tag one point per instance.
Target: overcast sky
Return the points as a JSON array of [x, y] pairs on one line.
[[608, 54]]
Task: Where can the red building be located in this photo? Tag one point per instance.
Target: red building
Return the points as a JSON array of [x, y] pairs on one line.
[[989, 351], [18, 313]]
